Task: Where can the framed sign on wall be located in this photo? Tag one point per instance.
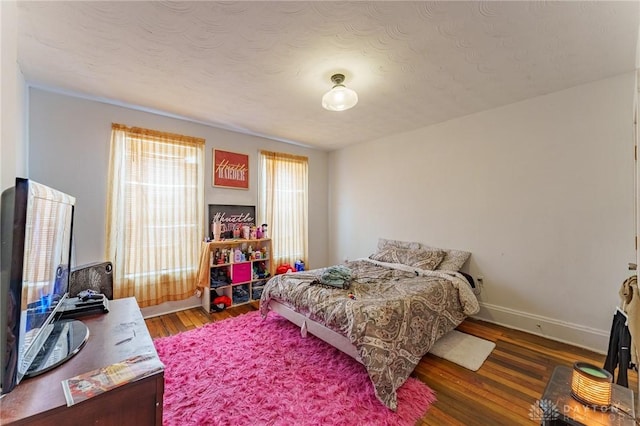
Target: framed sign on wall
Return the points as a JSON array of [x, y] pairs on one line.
[[231, 218], [230, 169]]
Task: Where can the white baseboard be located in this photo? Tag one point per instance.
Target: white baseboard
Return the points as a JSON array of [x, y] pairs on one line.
[[170, 307], [561, 331]]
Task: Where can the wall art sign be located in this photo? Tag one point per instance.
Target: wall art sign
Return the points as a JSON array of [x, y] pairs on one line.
[[230, 169], [231, 218]]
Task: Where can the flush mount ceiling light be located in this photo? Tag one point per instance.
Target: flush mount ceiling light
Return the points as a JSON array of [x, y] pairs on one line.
[[339, 98]]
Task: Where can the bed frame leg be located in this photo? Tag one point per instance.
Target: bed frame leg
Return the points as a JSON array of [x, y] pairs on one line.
[[303, 329]]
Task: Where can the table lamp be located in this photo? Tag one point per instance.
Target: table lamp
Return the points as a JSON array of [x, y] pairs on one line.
[[591, 385]]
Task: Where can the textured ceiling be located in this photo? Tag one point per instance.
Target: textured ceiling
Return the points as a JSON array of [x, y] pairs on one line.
[[262, 67]]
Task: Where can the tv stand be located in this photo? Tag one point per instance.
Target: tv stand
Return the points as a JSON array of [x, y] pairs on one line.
[[65, 340], [113, 337]]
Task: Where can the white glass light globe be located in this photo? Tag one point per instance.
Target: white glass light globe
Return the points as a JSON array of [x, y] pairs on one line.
[[339, 98]]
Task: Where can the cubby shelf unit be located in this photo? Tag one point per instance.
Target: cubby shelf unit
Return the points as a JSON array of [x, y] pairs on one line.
[[242, 281]]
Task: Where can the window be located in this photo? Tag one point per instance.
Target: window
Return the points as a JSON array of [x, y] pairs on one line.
[[155, 215], [283, 204]]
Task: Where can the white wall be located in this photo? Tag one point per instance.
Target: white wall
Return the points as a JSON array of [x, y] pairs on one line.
[[541, 192], [69, 150], [12, 100]]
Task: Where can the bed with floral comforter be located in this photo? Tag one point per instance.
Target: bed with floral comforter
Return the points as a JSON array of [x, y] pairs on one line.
[[392, 313]]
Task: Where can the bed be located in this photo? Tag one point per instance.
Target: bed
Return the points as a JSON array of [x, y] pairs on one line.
[[397, 305]]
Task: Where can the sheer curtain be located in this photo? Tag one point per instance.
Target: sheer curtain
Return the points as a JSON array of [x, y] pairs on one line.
[[155, 213], [283, 204]]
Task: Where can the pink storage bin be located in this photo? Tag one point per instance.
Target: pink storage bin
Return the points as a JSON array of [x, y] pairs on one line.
[[241, 272]]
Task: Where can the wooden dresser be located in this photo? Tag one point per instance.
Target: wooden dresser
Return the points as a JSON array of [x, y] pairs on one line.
[[40, 400]]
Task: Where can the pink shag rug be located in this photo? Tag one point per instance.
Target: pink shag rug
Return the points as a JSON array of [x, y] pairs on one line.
[[249, 371]]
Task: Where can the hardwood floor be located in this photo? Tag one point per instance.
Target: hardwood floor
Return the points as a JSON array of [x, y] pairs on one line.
[[501, 392]]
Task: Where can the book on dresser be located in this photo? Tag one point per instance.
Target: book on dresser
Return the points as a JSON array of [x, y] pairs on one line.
[[238, 270], [87, 385]]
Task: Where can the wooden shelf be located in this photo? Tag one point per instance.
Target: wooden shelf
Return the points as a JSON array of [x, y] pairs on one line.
[[238, 271]]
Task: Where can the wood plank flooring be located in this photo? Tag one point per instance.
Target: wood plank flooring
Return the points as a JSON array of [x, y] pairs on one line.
[[501, 392]]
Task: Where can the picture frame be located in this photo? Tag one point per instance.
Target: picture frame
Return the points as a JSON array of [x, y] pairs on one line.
[[230, 170]]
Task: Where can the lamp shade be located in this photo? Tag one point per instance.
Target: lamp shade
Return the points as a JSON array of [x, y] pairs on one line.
[[340, 97], [591, 385]]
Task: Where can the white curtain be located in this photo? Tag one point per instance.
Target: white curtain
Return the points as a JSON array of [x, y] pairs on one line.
[[283, 204], [155, 213]]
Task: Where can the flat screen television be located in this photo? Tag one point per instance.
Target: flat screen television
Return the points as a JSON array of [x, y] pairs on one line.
[[35, 257]]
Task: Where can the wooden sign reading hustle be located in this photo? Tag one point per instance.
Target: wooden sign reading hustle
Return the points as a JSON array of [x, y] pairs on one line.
[[230, 169]]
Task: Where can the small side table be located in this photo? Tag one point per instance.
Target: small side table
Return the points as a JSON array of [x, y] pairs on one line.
[[558, 407]]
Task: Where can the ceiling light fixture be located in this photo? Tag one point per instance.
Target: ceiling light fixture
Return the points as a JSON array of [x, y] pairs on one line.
[[339, 98]]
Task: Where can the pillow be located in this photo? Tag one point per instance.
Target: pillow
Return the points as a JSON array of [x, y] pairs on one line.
[[383, 243], [416, 258], [453, 259]]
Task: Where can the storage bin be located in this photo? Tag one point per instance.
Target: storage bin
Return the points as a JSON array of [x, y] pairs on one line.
[[241, 272]]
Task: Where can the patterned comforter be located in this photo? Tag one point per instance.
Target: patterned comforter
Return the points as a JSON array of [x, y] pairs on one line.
[[396, 315]]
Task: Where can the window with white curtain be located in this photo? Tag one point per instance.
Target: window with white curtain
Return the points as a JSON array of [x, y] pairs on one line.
[[283, 204], [155, 213]]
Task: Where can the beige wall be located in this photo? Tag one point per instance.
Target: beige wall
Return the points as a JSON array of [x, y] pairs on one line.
[[541, 192], [69, 150]]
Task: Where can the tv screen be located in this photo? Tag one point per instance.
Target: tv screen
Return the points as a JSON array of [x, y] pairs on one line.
[[37, 229]]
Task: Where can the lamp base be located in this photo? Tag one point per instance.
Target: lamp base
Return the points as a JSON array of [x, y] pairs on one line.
[[589, 404]]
